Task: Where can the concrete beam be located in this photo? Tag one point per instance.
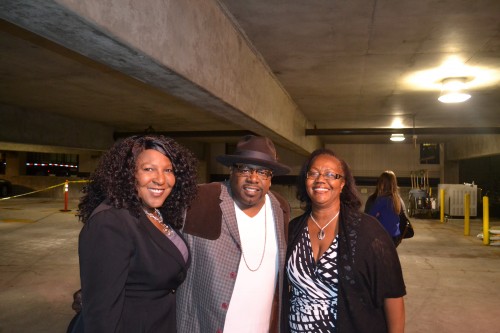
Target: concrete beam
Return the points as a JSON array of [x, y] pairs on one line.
[[191, 49]]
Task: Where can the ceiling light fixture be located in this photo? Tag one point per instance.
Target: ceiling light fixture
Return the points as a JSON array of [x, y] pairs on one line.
[[454, 90], [397, 137]]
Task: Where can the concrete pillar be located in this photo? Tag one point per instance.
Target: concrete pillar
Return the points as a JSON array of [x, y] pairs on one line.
[[450, 172], [87, 162], [215, 167], [3, 157], [16, 164]]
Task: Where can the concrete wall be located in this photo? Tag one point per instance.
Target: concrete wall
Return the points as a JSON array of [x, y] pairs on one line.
[[45, 132], [372, 160], [364, 160], [471, 146]]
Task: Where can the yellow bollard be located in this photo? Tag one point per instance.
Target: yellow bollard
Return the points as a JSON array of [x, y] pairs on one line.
[[486, 221], [467, 214], [441, 205]]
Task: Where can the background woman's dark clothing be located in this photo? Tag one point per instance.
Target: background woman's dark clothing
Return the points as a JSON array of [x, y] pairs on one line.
[[383, 210], [368, 267], [129, 273], [369, 202]]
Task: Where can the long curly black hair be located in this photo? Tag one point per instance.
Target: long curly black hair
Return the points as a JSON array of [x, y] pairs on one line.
[[349, 195], [114, 178]]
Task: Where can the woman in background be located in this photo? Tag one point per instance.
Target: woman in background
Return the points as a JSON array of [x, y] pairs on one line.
[[132, 258], [386, 204]]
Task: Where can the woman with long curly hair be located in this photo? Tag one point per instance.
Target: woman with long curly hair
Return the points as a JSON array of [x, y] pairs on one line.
[[132, 257], [342, 270]]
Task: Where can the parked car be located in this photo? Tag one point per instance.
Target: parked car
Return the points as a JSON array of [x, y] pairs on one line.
[[5, 188]]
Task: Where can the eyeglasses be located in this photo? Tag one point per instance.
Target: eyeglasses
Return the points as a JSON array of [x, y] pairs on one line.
[[243, 170], [327, 175]]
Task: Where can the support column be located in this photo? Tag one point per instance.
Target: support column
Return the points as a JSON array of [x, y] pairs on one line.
[[16, 164]]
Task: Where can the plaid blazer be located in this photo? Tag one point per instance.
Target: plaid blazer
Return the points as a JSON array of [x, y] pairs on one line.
[[211, 232]]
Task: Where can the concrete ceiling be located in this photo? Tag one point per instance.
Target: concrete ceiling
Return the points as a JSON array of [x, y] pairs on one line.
[[349, 66]]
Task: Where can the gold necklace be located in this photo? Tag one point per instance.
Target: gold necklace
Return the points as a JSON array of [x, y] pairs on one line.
[[321, 233], [166, 229]]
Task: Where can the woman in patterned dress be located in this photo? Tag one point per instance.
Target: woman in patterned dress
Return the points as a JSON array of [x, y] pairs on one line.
[[343, 271]]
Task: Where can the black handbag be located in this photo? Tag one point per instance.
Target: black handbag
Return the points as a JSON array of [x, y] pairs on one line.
[[405, 227]]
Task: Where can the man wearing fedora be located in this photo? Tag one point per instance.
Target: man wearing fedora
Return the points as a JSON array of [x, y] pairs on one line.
[[236, 235]]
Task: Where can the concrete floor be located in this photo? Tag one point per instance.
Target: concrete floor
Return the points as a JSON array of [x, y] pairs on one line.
[[453, 281]]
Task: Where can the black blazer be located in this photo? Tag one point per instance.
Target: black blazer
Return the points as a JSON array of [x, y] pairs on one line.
[[129, 272]]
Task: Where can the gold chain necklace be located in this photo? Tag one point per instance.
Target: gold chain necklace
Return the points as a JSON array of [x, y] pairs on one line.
[[265, 242], [166, 229], [321, 233]]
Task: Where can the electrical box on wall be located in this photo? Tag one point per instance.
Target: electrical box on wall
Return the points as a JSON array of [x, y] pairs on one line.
[[454, 195]]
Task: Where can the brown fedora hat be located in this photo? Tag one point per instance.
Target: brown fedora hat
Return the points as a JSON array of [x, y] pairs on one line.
[[255, 150]]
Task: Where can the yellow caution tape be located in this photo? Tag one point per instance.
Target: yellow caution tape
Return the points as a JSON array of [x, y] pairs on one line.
[[45, 189]]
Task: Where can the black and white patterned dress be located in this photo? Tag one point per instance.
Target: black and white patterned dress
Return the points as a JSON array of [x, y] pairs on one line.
[[314, 288]]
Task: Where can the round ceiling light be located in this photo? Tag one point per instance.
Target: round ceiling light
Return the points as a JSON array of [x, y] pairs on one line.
[[454, 90]]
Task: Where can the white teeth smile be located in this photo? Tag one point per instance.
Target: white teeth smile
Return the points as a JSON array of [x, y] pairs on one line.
[[321, 189], [155, 190]]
